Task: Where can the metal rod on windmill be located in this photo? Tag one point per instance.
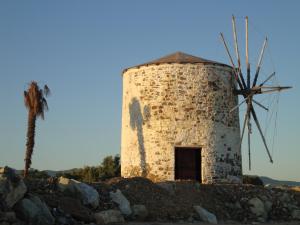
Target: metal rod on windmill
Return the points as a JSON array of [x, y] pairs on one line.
[[268, 78], [237, 106], [245, 122], [272, 89], [259, 62], [232, 63], [249, 139], [261, 105], [261, 133], [247, 55], [237, 51]]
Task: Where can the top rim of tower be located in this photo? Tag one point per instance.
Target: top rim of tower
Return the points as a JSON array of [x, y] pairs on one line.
[[178, 57]]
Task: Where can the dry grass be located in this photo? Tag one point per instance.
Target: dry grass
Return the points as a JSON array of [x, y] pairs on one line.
[[297, 188]]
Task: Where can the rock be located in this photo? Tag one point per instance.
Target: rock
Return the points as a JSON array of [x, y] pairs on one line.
[[4, 223], [261, 219], [75, 208], [190, 219], [268, 206], [296, 214], [122, 202], [61, 218], [269, 186], [140, 212], [291, 207], [285, 198], [17, 222], [257, 207], [169, 186], [234, 179], [9, 217], [12, 187], [237, 205], [109, 216], [87, 194], [34, 211], [205, 215]]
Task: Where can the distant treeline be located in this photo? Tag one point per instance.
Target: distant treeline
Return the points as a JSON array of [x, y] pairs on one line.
[[110, 167]]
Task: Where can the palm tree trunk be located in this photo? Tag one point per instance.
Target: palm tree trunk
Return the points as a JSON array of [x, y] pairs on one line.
[[30, 141]]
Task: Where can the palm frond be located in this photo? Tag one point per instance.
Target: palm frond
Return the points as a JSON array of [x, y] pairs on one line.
[[42, 115], [47, 91], [26, 100], [34, 99], [45, 104]]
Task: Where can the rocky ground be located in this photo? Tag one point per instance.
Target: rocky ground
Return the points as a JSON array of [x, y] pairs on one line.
[[62, 201], [203, 223]]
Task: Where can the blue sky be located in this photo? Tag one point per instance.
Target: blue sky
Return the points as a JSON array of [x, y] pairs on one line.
[[79, 48]]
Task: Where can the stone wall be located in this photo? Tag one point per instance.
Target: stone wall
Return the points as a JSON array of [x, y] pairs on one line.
[[187, 105]]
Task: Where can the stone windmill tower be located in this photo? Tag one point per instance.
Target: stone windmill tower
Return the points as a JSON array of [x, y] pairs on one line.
[[176, 121]]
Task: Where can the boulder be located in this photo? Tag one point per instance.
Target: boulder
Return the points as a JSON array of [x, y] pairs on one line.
[[122, 202], [109, 216], [296, 214], [257, 207], [12, 187], [139, 212], [4, 223], [268, 206], [292, 206], [169, 186], [205, 215], [87, 194], [75, 208], [237, 205], [61, 217], [285, 197], [234, 179], [34, 211], [9, 217]]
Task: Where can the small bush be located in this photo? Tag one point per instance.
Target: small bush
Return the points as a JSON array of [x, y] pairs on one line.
[[109, 168], [251, 179], [36, 174]]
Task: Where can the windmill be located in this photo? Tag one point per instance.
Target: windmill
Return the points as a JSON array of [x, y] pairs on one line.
[[248, 87]]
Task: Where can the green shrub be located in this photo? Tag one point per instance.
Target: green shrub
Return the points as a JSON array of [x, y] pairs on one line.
[[36, 174], [109, 168], [252, 179]]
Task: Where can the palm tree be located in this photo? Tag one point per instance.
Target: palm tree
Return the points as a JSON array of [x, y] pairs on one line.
[[36, 104]]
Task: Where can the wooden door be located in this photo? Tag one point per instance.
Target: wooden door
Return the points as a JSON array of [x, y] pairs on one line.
[[188, 163]]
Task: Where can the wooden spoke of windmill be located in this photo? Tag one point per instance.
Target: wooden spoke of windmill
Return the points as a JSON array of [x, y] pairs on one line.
[[250, 88]]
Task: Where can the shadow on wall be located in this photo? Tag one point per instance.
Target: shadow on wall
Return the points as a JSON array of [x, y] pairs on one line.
[[136, 122]]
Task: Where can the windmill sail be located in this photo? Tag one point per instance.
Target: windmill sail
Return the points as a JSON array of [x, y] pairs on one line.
[[247, 90]]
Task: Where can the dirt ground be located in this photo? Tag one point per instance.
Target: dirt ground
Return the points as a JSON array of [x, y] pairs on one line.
[[174, 201], [202, 223]]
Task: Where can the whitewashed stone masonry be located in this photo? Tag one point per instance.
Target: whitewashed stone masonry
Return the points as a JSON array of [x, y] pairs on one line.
[[175, 104]]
